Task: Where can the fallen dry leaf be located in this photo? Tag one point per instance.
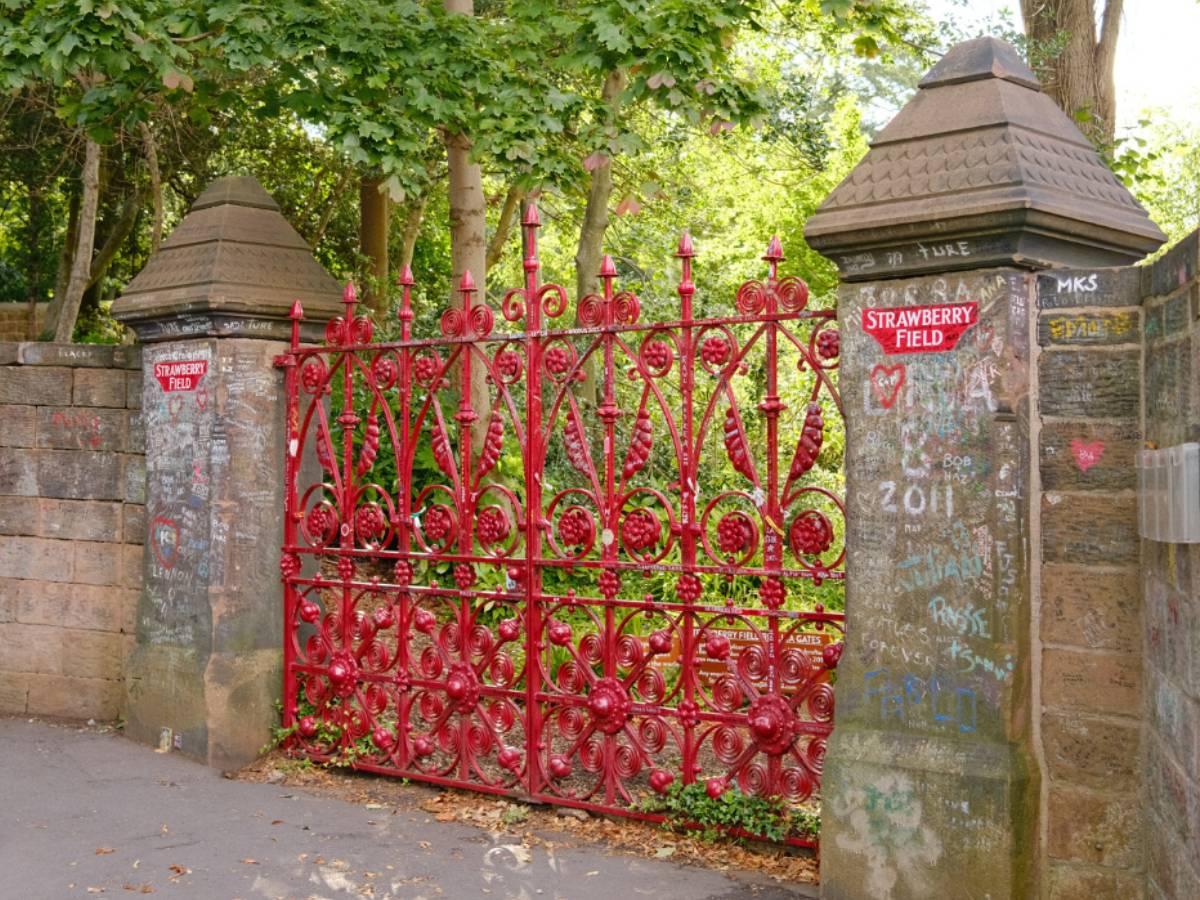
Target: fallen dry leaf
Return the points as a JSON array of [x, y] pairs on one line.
[[138, 888], [104, 851], [180, 870], [95, 890], [250, 862], [277, 821]]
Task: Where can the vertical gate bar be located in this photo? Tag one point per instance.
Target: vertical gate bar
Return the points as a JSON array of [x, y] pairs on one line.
[[290, 467], [466, 417], [404, 457], [347, 500], [534, 455], [608, 414], [772, 406], [687, 497]]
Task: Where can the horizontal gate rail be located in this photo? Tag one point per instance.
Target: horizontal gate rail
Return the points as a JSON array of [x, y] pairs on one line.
[[579, 564]]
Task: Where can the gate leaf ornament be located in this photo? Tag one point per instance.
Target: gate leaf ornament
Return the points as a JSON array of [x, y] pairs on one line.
[[471, 608]]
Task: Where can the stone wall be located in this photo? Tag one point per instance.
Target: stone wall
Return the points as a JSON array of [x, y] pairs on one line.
[[72, 526], [1171, 581], [14, 320], [1089, 690]]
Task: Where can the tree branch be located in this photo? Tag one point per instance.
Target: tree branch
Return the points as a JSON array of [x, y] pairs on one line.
[[512, 203]]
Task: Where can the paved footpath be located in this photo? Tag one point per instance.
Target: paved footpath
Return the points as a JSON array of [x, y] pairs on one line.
[[85, 813]]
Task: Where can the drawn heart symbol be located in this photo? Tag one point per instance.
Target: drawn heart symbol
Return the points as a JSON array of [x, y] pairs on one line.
[[886, 382], [1086, 455]]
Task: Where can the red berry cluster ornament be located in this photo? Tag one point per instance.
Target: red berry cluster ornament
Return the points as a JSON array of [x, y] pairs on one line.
[[493, 525], [811, 533], [641, 529], [733, 534], [689, 588], [829, 344], [715, 350], [575, 527], [436, 524], [772, 593], [657, 354]]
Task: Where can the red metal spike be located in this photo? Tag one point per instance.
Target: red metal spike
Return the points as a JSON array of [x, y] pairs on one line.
[[406, 277], [608, 268], [297, 311], [531, 216], [774, 250], [467, 283], [349, 295], [685, 250]]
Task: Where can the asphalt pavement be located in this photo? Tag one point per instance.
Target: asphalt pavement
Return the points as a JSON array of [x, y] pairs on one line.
[[85, 813]]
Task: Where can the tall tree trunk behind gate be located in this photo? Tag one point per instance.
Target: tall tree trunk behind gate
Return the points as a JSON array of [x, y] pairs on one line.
[[468, 237], [81, 264], [373, 240], [590, 248], [1080, 78]]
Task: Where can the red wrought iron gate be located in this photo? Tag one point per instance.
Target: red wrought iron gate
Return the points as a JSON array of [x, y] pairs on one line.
[[593, 572]]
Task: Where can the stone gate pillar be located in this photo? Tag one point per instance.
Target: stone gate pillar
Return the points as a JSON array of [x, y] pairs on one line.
[[932, 781], [212, 310]]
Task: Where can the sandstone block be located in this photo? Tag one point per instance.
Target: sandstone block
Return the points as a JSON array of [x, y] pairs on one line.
[[19, 425], [1079, 681], [1090, 528], [1094, 828], [35, 385], [1084, 607], [99, 387]]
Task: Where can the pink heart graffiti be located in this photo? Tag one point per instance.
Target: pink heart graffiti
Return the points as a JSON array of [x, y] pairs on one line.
[[1086, 455]]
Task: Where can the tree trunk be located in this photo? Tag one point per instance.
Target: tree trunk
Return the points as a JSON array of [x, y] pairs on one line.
[[412, 228], [155, 186], [373, 240], [81, 264], [62, 276], [508, 214], [595, 223], [35, 260], [1080, 78], [330, 208], [468, 237]]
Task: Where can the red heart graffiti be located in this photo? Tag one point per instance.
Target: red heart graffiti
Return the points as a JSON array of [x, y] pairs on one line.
[[886, 382], [1086, 455]]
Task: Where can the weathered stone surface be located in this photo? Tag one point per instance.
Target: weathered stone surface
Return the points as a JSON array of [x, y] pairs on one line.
[[1089, 456], [20, 515], [1097, 384], [90, 607], [31, 648], [1081, 681], [1094, 828], [97, 563], [45, 353], [1092, 752], [99, 387], [232, 267], [35, 385], [133, 528], [85, 520], [1174, 718], [74, 697], [18, 425], [133, 390], [18, 472], [80, 474], [1098, 609], [35, 558], [1089, 328], [1172, 866], [81, 428], [1174, 269], [1089, 528], [92, 654], [1082, 288], [984, 158], [1080, 882]]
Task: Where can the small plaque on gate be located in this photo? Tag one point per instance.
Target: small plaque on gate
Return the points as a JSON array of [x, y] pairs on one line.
[[709, 668]]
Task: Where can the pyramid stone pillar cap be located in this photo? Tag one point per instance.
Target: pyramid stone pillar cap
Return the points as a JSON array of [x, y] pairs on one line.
[[233, 267], [979, 169]]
